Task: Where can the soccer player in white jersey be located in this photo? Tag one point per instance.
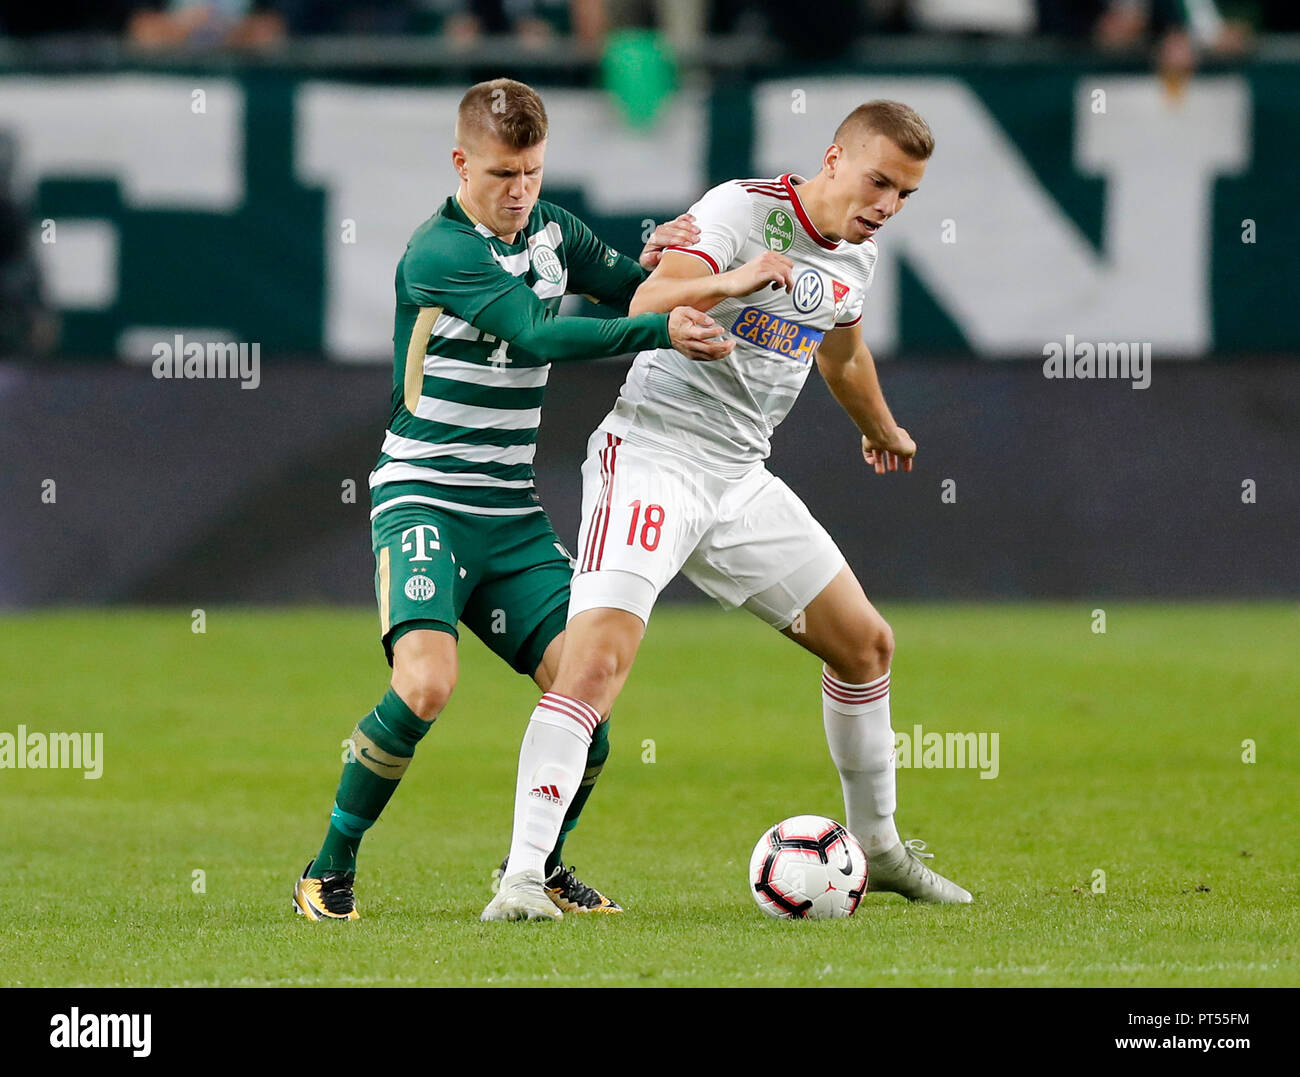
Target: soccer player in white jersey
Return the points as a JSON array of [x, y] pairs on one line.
[[675, 481]]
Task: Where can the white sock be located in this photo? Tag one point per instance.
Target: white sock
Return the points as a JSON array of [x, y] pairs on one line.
[[862, 745], [551, 761]]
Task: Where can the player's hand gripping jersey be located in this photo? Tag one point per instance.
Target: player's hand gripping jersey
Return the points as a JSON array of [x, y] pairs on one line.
[[722, 414]]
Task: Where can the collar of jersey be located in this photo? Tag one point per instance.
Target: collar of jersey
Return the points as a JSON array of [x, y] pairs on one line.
[[789, 182], [481, 228]]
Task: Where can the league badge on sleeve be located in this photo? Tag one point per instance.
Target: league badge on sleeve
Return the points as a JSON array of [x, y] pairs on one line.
[[841, 293]]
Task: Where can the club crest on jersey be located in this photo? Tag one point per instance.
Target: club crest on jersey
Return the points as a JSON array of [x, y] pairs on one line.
[[808, 291], [777, 334], [841, 293], [778, 231], [546, 263], [420, 588]]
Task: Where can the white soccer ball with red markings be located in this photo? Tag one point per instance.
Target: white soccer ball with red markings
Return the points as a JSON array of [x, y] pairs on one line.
[[808, 868]]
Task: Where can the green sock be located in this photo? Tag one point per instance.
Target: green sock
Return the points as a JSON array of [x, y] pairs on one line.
[[596, 756], [382, 746]]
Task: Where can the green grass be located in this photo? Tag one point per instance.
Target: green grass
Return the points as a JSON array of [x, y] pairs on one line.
[[1119, 752]]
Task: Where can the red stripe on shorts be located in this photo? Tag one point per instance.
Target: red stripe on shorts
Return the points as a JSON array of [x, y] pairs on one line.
[[614, 443], [588, 552]]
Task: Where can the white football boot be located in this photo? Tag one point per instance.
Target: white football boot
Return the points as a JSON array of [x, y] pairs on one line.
[[900, 870], [522, 897]]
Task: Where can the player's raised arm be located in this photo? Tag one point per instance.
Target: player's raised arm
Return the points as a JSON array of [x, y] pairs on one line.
[[601, 272], [846, 363], [683, 279], [525, 321], [522, 319], [493, 301], [704, 271]]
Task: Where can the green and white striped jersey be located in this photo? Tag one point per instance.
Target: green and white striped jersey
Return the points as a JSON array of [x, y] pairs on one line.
[[474, 338]]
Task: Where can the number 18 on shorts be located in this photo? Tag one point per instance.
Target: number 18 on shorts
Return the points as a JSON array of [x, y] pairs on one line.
[[647, 515]]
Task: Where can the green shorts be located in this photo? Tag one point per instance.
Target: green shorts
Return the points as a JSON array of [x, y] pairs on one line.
[[505, 577]]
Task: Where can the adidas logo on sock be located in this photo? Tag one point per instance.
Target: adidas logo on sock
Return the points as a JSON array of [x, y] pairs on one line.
[[546, 792]]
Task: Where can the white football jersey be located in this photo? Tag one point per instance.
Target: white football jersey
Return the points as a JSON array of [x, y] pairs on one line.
[[722, 413]]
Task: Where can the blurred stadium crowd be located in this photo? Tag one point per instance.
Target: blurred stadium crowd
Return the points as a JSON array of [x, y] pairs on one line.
[[1175, 25]]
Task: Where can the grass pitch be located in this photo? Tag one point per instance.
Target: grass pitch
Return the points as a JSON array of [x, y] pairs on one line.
[[1119, 753]]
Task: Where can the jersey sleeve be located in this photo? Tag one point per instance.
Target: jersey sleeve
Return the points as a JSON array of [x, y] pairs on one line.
[[521, 318], [458, 274], [852, 312], [723, 217], [595, 268], [455, 271]]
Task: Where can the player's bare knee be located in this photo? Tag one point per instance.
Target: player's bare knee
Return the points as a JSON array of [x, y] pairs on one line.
[[871, 655], [425, 690], [424, 671], [880, 648], [592, 679]]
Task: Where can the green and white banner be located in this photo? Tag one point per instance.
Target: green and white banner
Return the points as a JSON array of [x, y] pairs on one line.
[[268, 208]]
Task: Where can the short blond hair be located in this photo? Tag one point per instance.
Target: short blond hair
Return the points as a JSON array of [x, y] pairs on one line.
[[507, 110], [898, 122]]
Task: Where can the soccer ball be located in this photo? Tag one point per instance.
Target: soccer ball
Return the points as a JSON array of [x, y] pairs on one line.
[[808, 868]]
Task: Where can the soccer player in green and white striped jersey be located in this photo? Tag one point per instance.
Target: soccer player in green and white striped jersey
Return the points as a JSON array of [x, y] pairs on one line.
[[458, 530]]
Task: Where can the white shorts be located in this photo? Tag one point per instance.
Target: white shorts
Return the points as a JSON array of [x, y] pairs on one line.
[[647, 515]]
